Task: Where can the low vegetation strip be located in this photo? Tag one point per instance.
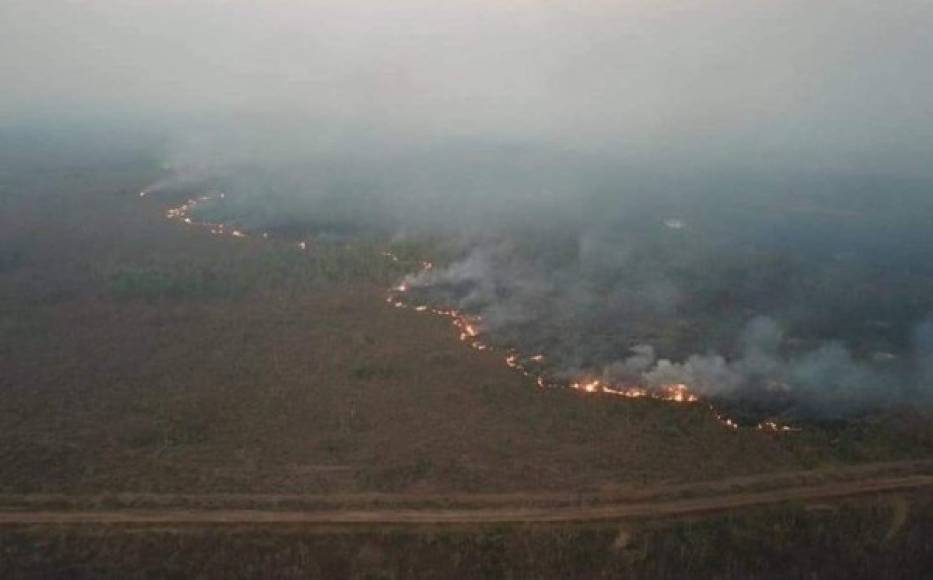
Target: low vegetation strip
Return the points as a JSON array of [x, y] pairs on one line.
[[499, 515], [627, 494]]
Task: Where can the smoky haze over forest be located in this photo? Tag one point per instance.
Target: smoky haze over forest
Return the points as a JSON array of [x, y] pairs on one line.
[[838, 85], [734, 195]]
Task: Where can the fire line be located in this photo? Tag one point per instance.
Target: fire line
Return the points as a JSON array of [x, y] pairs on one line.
[[468, 327]]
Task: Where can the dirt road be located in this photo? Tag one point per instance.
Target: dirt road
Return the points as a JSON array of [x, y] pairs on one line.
[[496, 515]]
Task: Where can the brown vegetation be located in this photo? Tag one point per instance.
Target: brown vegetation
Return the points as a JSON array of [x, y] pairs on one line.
[[144, 364], [851, 540], [140, 355]]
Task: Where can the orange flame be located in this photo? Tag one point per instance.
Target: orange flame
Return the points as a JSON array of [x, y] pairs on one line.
[[675, 393]]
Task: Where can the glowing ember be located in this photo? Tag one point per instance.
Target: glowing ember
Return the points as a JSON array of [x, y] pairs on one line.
[[679, 393], [674, 393]]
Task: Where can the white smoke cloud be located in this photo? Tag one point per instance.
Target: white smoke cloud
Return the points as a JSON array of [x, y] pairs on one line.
[[473, 115], [821, 380]]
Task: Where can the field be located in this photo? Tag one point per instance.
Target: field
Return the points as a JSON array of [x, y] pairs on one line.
[[886, 538], [143, 358]]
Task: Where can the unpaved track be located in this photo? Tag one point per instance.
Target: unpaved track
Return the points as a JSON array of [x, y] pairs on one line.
[[499, 515]]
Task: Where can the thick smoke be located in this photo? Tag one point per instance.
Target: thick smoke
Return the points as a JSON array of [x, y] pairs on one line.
[[725, 193], [825, 381], [784, 291], [614, 330]]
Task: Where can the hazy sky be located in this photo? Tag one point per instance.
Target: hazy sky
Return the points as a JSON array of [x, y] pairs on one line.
[[834, 83]]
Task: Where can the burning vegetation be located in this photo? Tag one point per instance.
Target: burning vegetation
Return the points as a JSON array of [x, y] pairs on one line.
[[532, 366]]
